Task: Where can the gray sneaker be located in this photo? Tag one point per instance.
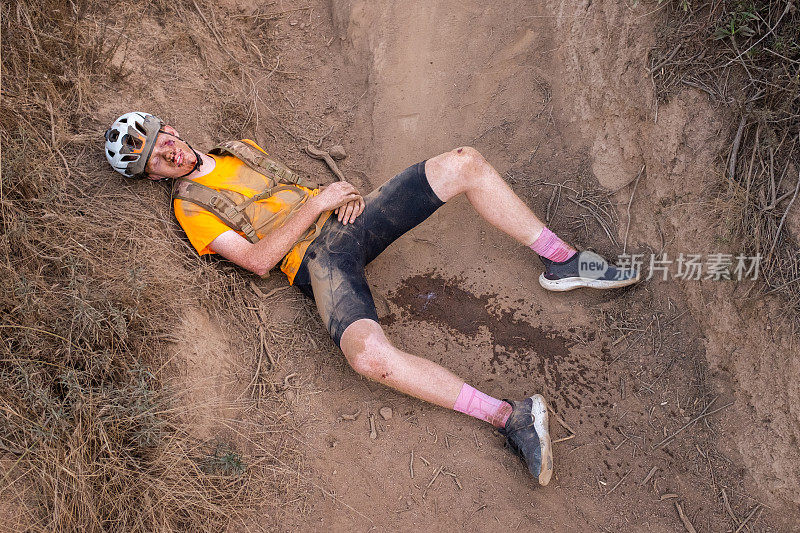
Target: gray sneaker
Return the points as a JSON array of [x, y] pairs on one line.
[[527, 433], [585, 269]]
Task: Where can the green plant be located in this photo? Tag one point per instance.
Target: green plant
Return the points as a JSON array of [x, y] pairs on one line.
[[741, 22], [224, 461]]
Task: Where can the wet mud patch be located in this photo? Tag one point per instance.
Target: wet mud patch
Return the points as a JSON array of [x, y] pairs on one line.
[[520, 348]]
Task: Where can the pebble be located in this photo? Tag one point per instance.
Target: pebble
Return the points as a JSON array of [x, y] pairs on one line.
[[386, 413], [381, 304], [290, 395], [337, 151]]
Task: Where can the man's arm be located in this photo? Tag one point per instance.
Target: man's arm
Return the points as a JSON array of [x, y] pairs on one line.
[[261, 256]]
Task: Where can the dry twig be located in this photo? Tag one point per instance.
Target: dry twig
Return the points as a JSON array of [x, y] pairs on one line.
[[704, 414], [684, 519]]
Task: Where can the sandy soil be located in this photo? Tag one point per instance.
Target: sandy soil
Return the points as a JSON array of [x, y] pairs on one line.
[[551, 93]]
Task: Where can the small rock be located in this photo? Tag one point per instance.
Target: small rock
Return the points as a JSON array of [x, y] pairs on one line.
[[347, 416], [386, 413], [337, 151], [292, 23], [290, 395], [381, 304], [373, 432]]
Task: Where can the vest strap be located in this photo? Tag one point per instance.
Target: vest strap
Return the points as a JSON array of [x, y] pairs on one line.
[[217, 204], [258, 161]]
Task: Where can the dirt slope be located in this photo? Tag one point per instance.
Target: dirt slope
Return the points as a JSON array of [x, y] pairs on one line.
[[550, 94]]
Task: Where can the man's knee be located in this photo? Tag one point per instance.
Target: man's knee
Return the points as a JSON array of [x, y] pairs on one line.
[[456, 171], [370, 362], [368, 351], [371, 356], [465, 160]]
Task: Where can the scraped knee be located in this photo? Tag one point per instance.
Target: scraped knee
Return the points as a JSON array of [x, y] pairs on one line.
[[367, 350], [465, 159], [466, 168], [456, 171]]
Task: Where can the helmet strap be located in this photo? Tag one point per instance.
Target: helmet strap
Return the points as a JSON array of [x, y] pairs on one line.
[[198, 160]]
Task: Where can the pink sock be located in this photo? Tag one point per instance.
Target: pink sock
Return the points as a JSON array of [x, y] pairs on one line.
[[474, 403], [549, 246]]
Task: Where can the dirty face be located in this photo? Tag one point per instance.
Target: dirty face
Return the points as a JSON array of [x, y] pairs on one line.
[[171, 157]]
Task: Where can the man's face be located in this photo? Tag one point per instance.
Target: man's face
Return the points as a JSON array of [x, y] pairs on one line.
[[171, 157]]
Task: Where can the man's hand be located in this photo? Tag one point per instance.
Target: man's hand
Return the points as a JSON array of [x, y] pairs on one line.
[[349, 211], [343, 198]]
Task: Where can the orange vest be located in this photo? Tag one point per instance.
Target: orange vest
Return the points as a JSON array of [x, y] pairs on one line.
[[246, 192]]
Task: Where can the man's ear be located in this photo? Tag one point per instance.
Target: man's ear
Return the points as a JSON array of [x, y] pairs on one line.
[[169, 129]]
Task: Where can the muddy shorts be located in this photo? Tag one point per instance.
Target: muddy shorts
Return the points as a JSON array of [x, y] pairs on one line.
[[332, 271]]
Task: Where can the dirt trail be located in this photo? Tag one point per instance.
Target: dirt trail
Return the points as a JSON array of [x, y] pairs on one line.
[[553, 94]]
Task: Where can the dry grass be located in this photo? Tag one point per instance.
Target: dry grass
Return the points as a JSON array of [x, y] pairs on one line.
[[746, 54], [93, 280]]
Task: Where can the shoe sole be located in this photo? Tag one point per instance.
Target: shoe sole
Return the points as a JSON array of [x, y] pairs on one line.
[[542, 426], [575, 282]]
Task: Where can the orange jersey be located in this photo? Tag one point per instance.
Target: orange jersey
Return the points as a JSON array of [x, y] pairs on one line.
[[202, 227]]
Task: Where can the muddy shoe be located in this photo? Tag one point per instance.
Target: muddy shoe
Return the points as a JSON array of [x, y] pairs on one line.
[[585, 269], [528, 435]]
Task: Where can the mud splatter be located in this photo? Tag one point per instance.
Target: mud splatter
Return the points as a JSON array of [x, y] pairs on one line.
[[445, 302], [519, 348]]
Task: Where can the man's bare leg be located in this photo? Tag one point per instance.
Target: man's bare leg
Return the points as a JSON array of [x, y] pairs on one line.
[[372, 355], [464, 170]]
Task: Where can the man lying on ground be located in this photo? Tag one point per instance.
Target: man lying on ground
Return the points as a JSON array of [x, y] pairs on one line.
[[255, 212]]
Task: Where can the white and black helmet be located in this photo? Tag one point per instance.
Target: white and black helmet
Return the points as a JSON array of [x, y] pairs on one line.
[[130, 141]]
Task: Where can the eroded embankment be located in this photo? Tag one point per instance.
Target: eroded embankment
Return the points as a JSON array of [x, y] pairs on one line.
[[606, 91]]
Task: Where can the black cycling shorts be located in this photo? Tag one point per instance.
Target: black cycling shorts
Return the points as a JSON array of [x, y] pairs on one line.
[[332, 270]]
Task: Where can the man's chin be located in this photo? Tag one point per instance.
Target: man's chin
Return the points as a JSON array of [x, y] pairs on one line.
[[189, 161]]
